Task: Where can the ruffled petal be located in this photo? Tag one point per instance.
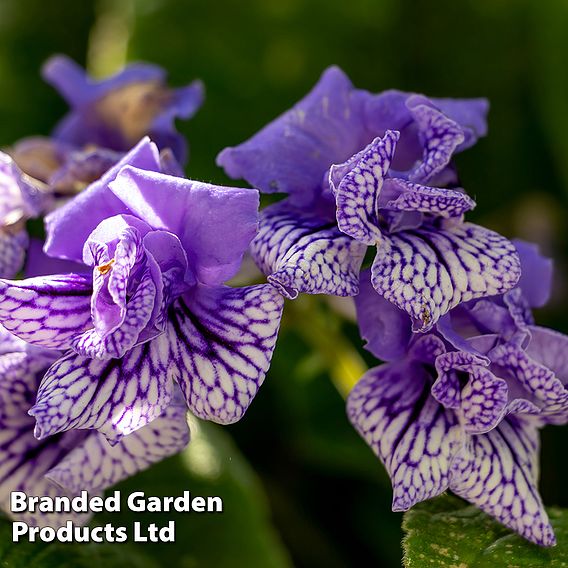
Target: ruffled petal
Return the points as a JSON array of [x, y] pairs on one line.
[[426, 272], [357, 185], [306, 254], [483, 400], [549, 392], [440, 136], [46, 311], [115, 344], [497, 472], [115, 397], [413, 435], [95, 464], [222, 340], [442, 202], [215, 224]]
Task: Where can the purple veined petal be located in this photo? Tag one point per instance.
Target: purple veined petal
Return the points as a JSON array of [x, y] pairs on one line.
[[40, 486], [222, 340], [427, 272], [115, 397], [292, 153], [357, 190], [497, 472], [115, 250], [215, 224], [549, 392], [447, 388], [115, 344], [306, 254], [69, 226], [483, 400], [440, 136], [413, 435], [536, 275], [12, 252], [96, 465], [385, 328], [46, 311], [442, 202]]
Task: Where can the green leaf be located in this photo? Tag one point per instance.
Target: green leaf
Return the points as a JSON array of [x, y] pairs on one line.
[[445, 532]]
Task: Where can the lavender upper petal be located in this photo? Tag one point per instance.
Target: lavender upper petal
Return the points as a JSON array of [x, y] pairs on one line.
[[292, 153], [69, 226], [214, 224]]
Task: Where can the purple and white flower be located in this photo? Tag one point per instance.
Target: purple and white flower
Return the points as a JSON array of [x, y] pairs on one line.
[[363, 170], [67, 463], [460, 408], [153, 308]]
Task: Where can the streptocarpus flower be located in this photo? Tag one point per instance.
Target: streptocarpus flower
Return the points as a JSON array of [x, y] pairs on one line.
[[107, 119], [155, 308], [115, 113], [355, 166], [461, 408], [67, 463]]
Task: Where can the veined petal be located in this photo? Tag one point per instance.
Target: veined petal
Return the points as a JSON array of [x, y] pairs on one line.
[[497, 472], [413, 435], [222, 341], [96, 465], [483, 400], [46, 311], [12, 252], [428, 271], [357, 185], [115, 397], [551, 395], [116, 343], [304, 253], [442, 202], [440, 136]]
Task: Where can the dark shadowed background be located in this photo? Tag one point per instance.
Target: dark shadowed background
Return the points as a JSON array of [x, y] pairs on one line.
[[300, 487]]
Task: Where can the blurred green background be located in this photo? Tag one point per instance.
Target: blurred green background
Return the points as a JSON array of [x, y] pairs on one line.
[[300, 487]]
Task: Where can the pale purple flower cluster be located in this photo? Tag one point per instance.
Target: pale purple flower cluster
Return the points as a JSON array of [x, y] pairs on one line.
[[469, 378]]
